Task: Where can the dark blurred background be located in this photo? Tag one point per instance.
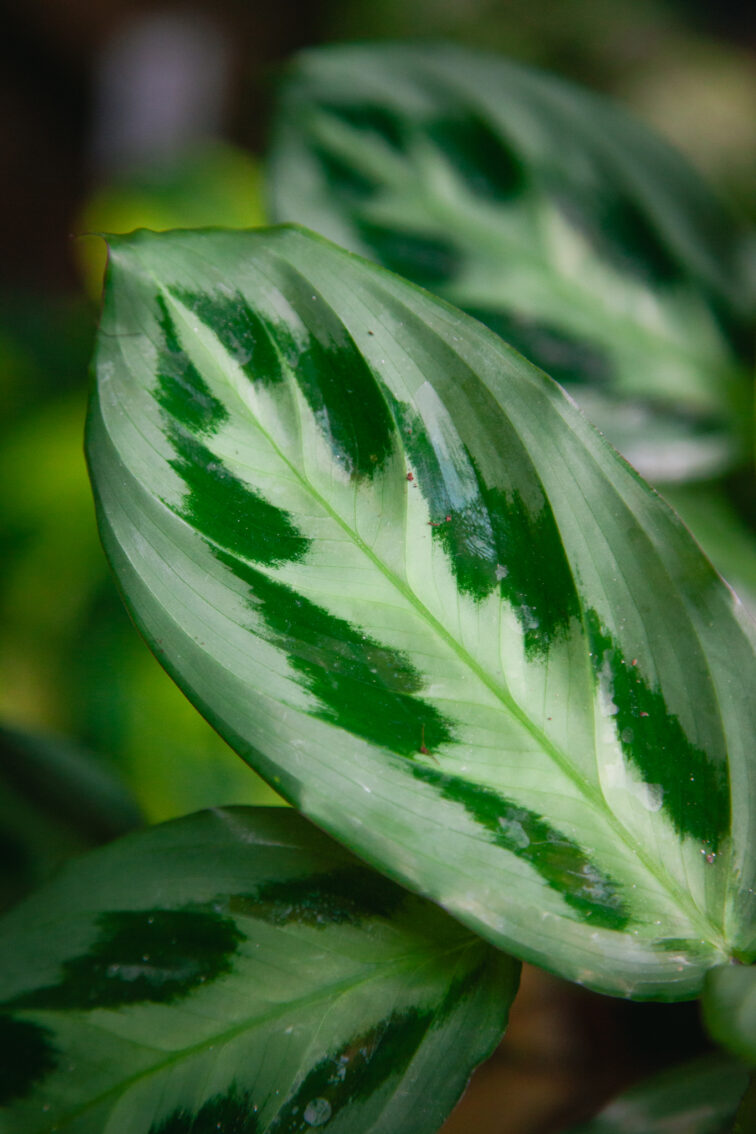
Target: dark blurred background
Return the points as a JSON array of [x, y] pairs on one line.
[[121, 113]]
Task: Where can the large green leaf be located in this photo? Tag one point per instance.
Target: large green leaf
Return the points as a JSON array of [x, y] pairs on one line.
[[700, 1097], [236, 970], [408, 582], [729, 1007], [547, 213]]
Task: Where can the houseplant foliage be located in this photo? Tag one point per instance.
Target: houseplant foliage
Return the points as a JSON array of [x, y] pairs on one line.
[[729, 1004], [396, 568], [545, 211], [237, 970], [403, 576], [700, 1097]]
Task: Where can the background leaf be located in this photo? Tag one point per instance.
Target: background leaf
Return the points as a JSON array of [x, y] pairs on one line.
[[544, 211], [55, 801], [237, 970], [729, 1007], [697, 1098], [406, 580], [745, 1120], [723, 534], [70, 660]]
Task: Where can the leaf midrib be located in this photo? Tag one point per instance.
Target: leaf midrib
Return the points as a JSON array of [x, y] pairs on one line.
[[592, 794]]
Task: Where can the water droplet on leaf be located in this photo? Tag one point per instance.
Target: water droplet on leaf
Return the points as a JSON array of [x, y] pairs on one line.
[[317, 1112]]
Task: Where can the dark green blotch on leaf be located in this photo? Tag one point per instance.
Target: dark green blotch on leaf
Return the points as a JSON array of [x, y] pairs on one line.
[[563, 356], [363, 687], [243, 333], [157, 956], [496, 542], [429, 260], [530, 565], [220, 505], [344, 178], [27, 1054], [232, 1113], [693, 948], [562, 864], [696, 789], [370, 118], [461, 987], [478, 154], [622, 231], [227, 512], [334, 377], [181, 391], [340, 897], [353, 1073]]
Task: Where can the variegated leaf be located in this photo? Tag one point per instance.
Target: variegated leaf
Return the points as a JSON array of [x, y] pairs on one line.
[[238, 971], [407, 581], [547, 213]]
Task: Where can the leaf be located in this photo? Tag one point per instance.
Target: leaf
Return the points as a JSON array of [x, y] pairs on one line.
[[729, 1008], [700, 1097], [236, 970], [547, 213], [745, 1119], [406, 580], [56, 800]]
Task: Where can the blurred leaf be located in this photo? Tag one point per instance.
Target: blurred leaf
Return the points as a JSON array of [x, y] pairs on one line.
[[51, 561], [545, 212], [175, 760], [213, 184], [237, 971], [45, 346], [407, 581], [723, 535], [71, 661], [697, 1098], [56, 800], [745, 1120], [729, 1008]]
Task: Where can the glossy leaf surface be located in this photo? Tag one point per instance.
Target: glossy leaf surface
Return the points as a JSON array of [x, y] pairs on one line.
[[547, 213], [701, 1097], [406, 580], [729, 1007], [236, 970]]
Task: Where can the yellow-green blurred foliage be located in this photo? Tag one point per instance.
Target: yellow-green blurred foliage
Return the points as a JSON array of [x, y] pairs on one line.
[[70, 660], [212, 184]]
